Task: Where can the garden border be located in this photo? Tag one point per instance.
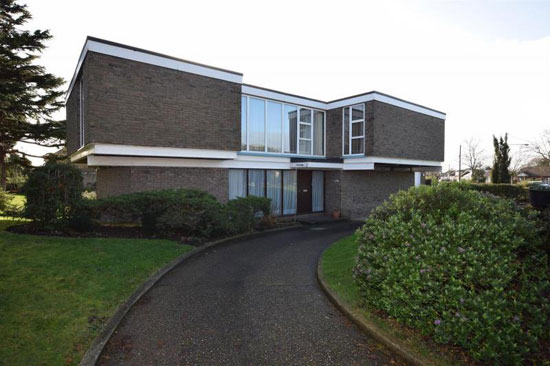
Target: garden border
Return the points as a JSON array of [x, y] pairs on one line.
[[91, 356], [368, 327]]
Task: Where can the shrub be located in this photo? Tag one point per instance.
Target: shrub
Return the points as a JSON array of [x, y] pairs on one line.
[[171, 211], [53, 191], [244, 213], [517, 193], [5, 200], [463, 267]]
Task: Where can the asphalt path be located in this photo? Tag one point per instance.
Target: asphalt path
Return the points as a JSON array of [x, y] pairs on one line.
[[251, 302]]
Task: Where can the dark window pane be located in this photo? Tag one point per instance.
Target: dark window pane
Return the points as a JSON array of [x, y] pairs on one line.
[[357, 146], [357, 129]]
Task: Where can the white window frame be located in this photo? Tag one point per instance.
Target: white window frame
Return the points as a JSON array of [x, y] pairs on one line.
[[310, 124], [299, 122], [350, 133]]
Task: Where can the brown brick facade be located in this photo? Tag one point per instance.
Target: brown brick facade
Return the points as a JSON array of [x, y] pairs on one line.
[[392, 132], [112, 181], [133, 103], [402, 133], [363, 190]]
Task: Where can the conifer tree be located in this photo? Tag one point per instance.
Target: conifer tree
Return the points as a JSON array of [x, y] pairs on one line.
[[29, 95]]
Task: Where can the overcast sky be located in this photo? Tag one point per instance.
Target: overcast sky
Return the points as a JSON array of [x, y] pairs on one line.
[[485, 63]]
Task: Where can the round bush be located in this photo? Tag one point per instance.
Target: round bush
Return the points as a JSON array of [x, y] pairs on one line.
[[463, 267], [53, 193]]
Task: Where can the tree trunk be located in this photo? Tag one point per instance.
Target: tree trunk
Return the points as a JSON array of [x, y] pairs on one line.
[[3, 170]]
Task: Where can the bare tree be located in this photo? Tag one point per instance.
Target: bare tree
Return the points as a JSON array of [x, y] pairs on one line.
[[474, 158], [520, 159], [541, 148]]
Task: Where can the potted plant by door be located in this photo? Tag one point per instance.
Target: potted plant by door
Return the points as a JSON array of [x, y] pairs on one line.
[[336, 214], [539, 195]]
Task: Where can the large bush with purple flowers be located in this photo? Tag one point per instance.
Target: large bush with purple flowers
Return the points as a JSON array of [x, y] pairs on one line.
[[462, 267]]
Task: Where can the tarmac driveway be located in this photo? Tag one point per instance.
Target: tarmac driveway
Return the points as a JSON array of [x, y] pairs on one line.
[[252, 302]]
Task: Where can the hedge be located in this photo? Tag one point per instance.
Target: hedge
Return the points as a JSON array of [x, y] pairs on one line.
[[464, 268], [53, 193], [183, 212], [510, 191]]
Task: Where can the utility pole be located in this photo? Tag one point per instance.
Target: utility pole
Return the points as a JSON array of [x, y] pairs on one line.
[[459, 163]]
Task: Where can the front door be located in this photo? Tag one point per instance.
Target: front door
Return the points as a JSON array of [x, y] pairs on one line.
[[304, 191]]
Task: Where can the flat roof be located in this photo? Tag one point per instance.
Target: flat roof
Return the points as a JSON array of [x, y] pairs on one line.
[[98, 45]]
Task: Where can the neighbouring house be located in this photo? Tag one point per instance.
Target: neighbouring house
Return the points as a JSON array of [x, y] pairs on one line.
[[149, 121], [452, 175], [535, 173]]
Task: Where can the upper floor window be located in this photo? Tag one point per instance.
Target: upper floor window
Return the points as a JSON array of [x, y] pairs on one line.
[[273, 127], [353, 128]]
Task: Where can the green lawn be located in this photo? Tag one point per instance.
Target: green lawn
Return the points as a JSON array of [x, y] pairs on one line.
[[18, 200], [56, 293], [337, 265]]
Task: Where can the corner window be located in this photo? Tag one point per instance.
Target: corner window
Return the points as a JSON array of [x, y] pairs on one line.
[[274, 127], [353, 130]]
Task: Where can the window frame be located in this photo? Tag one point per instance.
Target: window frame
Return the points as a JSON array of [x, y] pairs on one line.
[[350, 130], [298, 124]]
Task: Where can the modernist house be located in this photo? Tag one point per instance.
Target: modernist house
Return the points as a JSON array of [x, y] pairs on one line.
[[150, 121]]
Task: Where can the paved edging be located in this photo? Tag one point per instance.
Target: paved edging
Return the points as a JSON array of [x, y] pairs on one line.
[[92, 354], [371, 329]]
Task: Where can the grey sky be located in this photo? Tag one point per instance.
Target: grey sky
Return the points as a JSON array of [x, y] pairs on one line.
[[485, 63]]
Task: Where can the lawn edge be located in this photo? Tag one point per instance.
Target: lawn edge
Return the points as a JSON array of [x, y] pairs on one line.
[[91, 356], [366, 326]]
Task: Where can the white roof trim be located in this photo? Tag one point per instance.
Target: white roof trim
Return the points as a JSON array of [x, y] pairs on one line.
[[282, 97], [151, 151], [110, 49], [157, 60], [316, 165], [384, 160], [95, 160]]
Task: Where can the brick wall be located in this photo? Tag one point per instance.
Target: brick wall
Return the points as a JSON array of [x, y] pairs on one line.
[[133, 103], [392, 132], [72, 127], [112, 181], [333, 179], [334, 133], [401, 133], [362, 191]]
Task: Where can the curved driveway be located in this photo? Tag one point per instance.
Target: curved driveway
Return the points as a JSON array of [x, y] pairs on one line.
[[252, 302]]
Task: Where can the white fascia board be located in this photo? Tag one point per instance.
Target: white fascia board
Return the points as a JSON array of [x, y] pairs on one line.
[[98, 160], [139, 56], [388, 100], [81, 153], [168, 152], [316, 165], [383, 160], [281, 97], [358, 166]]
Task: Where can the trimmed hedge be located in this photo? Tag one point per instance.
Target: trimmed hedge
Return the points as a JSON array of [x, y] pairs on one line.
[[462, 267], [183, 212], [510, 191]]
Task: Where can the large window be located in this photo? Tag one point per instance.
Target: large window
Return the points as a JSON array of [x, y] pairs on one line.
[[353, 130], [279, 185], [273, 127]]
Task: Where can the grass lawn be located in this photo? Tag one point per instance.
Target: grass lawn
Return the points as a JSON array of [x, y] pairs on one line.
[[337, 264], [18, 200], [56, 293]]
